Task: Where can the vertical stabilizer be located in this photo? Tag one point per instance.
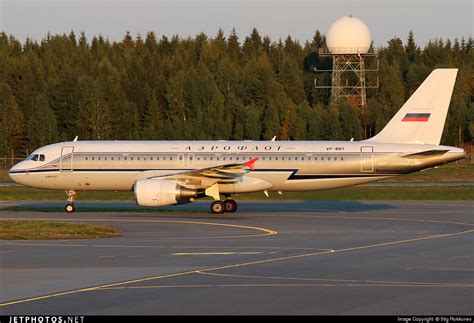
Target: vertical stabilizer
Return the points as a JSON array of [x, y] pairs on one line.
[[421, 119]]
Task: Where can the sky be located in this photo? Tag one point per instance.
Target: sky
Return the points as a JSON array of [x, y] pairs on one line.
[[429, 19]]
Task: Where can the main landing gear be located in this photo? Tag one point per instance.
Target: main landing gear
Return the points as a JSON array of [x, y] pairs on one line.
[[219, 207], [230, 205], [71, 197]]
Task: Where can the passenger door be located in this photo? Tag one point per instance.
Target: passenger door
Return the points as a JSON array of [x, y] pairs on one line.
[[366, 159], [65, 162]]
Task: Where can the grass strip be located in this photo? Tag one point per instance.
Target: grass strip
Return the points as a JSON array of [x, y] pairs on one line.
[[44, 230]]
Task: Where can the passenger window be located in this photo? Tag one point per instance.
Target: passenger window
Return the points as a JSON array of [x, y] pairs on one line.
[[87, 158]]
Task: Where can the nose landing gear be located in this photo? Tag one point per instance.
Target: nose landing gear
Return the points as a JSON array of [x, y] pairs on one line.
[[71, 197]]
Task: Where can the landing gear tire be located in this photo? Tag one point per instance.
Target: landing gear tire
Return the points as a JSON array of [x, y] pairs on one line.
[[230, 205], [217, 207], [70, 208], [71, 197]]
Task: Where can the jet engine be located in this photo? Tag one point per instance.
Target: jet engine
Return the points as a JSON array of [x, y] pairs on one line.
[[151, 192]]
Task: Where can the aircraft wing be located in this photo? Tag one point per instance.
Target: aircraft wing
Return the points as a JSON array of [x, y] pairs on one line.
[[206, 177]]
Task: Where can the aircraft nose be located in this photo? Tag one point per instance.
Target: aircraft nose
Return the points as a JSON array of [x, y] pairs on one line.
[[14, 172]]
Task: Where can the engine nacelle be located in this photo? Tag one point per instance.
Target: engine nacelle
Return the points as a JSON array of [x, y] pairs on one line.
[[153, 192]]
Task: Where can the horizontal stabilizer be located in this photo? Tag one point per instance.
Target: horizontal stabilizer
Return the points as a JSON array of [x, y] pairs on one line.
[[427, 153]]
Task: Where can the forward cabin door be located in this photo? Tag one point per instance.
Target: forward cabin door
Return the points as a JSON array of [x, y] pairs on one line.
[[65, 162], [366, 159]]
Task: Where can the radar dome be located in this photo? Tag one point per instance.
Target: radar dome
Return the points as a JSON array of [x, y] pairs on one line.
[[348, 35]]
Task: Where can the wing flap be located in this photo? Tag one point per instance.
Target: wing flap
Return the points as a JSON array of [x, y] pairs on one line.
[[206, 177]]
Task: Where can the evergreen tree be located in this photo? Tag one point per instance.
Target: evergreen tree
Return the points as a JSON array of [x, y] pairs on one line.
[[42, 125], [332, 128], [316, 123], [253, 124], [93, 115], [154, 123], [233, 46], [349, 122], [11, 122], [292, 79], [411, 49]]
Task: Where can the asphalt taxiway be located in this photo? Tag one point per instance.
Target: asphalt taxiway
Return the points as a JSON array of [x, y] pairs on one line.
[[290, 257]]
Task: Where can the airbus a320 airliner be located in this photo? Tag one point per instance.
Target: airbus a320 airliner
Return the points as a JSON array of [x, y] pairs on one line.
[[175, 172]]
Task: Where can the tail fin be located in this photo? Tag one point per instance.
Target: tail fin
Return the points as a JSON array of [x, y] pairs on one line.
[[421, 119]]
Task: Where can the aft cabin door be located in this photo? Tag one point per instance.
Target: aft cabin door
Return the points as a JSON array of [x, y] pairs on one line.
[[367, 159], [65, 163]]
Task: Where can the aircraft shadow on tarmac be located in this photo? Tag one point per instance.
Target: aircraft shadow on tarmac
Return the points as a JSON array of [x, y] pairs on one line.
[[202, 207]]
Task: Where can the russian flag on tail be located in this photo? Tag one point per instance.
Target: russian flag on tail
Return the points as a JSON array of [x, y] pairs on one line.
[[423, 117]]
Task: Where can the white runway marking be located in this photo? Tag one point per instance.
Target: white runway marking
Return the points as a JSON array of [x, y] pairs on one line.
[[440, 269]]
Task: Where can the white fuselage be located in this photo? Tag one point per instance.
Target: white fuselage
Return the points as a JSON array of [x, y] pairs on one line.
[[281, 165]]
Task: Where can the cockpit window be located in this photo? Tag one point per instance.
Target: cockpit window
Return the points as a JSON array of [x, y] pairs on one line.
[[37, 157]]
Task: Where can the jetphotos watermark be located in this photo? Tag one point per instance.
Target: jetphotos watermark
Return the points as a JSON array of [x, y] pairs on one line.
[[45, 319]]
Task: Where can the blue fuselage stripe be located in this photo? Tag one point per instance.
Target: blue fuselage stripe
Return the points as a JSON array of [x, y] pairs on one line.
[[293, 175]]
